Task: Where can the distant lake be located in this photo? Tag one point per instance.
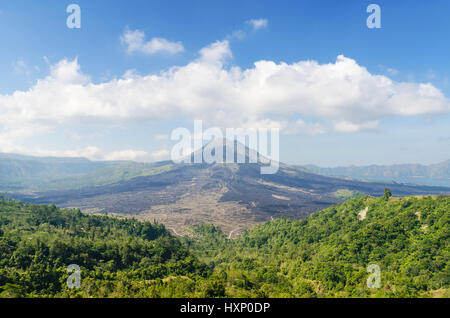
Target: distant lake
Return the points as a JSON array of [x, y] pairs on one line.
[[423, 181]]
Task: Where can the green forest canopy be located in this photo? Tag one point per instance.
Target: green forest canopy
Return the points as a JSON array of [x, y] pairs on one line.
[[323, 255]]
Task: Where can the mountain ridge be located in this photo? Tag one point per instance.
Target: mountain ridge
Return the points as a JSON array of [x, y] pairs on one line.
[[433, 174], [231, 196]]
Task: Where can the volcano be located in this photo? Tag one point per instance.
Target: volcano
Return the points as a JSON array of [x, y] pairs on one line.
[[234, 196]]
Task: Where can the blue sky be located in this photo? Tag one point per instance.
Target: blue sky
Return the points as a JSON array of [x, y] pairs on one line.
[[410, 50]]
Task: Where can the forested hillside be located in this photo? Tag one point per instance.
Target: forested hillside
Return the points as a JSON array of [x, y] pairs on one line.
[[117, 256], [327, 253], [323, 255]]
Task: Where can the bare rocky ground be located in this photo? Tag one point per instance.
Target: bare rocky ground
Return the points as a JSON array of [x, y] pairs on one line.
[[234, 197]]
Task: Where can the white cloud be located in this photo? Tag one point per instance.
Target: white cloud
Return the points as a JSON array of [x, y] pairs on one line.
[[238, 34], [392, 71], [341, 95], [19, 66], [305, 128], [345, 126], [135, 42], [90, 152], [163, 154], [162, 137], [125, 155], [258, 23], [388, 70], [216, 53]]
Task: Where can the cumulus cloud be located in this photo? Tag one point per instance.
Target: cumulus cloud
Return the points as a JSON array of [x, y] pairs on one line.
[[90, 152], [258, 23], [128, 154], [162, 154], [340, 95], [135, 42], [305, 128]]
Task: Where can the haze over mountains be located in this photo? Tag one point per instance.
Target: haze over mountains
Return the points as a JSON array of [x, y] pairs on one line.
[[28, 174], [435, 174], [232, 196]]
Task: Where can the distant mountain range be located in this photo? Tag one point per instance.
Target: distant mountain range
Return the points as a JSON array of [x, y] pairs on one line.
[[27, 173], [232, 196], [435, 174]]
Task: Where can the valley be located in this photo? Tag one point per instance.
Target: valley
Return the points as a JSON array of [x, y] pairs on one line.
[[235, 197]]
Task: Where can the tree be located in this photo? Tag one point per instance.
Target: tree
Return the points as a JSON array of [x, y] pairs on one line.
[[387, 194]]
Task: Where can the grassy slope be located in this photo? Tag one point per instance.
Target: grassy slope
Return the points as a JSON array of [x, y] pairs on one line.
[[111, 174]]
